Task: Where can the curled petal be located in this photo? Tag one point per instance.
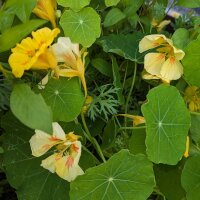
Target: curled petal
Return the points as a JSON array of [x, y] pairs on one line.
[[153, 63], [178, 53], [172, 69], [58, 131]]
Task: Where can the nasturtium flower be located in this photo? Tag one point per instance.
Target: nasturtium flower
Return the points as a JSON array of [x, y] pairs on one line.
[[72, 58], [137, 120], [160, 25], [46, 9], [164, 63], [33, 53], [192, 98], [64, 161]]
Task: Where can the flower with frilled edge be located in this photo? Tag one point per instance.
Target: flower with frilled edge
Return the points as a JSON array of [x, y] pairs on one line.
[[46, 9], [64, 161], [33, 53], [165, 62], [73, 60]]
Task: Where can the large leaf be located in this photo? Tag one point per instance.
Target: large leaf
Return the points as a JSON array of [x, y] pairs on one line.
[[168, 122], [82, 27], [65, 98], [111, 2], [122, 177], [74, 4], [23, 171], [123, 45], [189, 4], [20, 31], [191, 178], [30, 108], [192, 55], [22, 8]]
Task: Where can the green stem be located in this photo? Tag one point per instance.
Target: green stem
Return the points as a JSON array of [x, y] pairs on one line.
[[96, 160], [131, 128], [92, 139]]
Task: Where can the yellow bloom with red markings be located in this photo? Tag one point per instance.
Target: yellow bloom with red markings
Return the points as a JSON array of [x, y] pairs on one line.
[[64, 161], [33, 53], [46, 9], [165, 62]]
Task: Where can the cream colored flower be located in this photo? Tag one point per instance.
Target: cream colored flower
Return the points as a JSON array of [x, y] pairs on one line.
[[64, 161], [74, 61], [165, 62]]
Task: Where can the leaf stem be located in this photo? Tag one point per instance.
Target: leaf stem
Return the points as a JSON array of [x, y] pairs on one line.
[[132, 128], [92, 139]]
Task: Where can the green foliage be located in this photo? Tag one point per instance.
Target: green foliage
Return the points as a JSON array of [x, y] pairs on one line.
[[111, 2], [117, 178], [82, 27], [189, 4], [65, 98], [30, 108], [168, 122], [104, 102], [74, 4]]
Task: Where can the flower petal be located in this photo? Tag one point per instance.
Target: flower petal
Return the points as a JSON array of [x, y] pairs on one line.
[[172, 69], [151, 41], [58, 131], [178, 53], [153, 62]]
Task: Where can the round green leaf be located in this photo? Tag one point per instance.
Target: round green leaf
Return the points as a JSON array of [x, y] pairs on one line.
[[191, 63], [111, 2], [65, 98], [74, 4], [191, 178], [168, 122], [122, 177], [82, 27], [30, 108]]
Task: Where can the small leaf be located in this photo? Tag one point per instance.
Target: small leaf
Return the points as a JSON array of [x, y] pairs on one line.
[[82, 27], [65, 98], [6, 20], [114, 16], [75, 5], [123, 176], [20, 31], [23, 171], [30, 108], [192, 55], [191, 178], [168, 122], [123, 45], [111, 2]]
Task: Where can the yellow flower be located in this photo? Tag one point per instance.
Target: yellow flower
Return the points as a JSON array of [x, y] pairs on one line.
[[46, 9], [65, 160], [136, 119], [186, 154], [165, 62], [74, 61], [192, 98], [34, 52], [87, 104], [160, 25]]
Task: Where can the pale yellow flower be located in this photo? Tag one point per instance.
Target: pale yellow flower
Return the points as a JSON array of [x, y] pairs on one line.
[[64, 161], [137, 120], [74, 61], [46, 9], [192, 98], [160, 25], [33, 53], [165, 62]]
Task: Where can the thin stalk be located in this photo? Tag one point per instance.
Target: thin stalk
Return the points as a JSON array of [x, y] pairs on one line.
[[131, 128], [92, 139]]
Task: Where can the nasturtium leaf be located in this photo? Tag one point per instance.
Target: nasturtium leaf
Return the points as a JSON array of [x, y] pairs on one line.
[[74, 4], [6, 20], [23, 171], [111, 2], [82, 27], [180, 38], [123, 45], [168, 180], [190, 178], [189, 4], [20, 31], [102, 66], [30, 108], [192, 55], [123, 177], [22, 8], [168, 123], [131, 7], [114, 16], [195, 127], [65, 98]]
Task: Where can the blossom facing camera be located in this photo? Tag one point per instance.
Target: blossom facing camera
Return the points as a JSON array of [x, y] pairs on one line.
[[164, 63], [65, 159], [33, 53]]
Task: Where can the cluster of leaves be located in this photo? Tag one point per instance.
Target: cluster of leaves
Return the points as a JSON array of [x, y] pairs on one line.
[[121, 161]]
